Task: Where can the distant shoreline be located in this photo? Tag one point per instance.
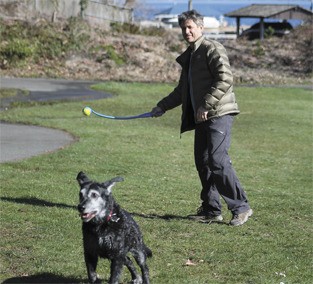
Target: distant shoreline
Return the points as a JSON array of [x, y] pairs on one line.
[[213, 8]]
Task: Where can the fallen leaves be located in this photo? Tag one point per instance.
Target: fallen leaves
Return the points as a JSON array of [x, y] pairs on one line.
[[191, 262]]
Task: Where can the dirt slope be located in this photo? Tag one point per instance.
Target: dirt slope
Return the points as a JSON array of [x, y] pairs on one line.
[[83, 52]]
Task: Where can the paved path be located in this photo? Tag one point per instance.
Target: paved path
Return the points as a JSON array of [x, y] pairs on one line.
[[24, 141], [50, 90]]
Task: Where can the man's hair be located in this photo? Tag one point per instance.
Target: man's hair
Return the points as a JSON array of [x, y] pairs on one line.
[[190, 15]]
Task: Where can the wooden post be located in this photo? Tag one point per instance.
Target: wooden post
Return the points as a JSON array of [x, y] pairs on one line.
[[261, 28], [237, 26]]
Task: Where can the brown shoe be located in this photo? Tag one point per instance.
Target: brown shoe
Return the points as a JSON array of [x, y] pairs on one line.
[[203, 216], [240, 219]]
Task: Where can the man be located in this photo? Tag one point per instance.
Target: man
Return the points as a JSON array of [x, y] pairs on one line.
[[205, 91]]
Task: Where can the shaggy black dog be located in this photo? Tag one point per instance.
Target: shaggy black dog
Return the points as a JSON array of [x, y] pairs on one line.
[[109, 232]]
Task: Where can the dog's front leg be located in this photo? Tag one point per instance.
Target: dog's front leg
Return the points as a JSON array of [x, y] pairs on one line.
[[91, 264], [116, 270]]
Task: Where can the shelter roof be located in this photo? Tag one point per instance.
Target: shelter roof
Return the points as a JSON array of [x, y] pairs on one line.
[[271, 11]]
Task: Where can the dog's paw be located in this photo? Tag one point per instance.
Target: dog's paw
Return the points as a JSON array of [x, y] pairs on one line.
[[98, 281], [138, 280]]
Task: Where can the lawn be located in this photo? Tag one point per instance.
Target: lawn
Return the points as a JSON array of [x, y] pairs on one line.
[[271, 152]]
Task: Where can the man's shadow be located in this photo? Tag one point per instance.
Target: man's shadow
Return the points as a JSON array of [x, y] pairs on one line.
[[44, 278], [34, 201], [166, 217], [40, 202]]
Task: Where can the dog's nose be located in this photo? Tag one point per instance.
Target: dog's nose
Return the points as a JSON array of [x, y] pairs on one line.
[[81, 207]]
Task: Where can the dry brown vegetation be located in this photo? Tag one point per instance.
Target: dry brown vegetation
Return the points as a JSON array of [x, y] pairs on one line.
[[74, 50]]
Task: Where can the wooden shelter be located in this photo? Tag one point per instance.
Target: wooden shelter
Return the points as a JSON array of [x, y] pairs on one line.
[[270, 11]]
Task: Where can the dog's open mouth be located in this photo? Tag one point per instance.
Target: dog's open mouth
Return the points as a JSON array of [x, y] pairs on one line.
[[86, 217]]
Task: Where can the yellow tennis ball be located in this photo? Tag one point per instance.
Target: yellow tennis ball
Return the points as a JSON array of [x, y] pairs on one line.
[[87, 111]]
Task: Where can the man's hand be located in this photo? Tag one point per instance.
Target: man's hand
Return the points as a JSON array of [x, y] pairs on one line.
[[202, 114], [156, 112]]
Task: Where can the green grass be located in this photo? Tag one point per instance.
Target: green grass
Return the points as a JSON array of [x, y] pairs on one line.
[[272, 154], [8, 93]]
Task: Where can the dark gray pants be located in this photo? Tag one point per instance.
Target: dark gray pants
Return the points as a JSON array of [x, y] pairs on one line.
[[218, 178]]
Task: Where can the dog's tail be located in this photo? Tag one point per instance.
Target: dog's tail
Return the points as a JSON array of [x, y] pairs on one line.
[[148, 251]]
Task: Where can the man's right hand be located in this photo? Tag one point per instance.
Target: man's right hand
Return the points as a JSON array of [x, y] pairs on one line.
[[156, 112]]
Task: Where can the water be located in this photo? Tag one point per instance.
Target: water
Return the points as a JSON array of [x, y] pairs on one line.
[[210, 8]]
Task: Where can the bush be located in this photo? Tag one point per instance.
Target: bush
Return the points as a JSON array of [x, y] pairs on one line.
[[112, 54], [258, 51], [124, 28], [77, 32], [135, 29], [269, 32], [23, 40], [16, 49]]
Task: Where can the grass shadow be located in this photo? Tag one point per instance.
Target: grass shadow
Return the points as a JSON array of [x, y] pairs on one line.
[[44, 278], [169, 217], [36, 202], [40, 202]]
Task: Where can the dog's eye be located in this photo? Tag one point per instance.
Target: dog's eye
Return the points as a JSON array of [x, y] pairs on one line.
[[94, 195]]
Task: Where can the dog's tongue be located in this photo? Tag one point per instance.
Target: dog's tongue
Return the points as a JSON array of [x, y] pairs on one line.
[[87, 216]]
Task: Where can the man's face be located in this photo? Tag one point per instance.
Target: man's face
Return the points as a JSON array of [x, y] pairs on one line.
[[191, 31]]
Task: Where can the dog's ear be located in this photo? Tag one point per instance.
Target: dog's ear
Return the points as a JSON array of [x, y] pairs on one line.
[[110, 183], [82, 178], [116, 179]]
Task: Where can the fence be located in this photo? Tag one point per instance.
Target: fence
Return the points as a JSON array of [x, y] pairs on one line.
[[96, 12]]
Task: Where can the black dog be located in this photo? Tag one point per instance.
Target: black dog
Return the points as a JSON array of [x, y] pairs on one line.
[[109, 232]]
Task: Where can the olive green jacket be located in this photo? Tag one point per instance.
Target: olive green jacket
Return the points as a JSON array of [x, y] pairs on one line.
[[212, 84]]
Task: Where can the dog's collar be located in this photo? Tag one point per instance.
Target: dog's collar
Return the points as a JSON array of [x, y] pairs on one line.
[[112, 217]]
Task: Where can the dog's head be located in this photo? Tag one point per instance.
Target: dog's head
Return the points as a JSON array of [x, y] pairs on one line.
[[95, 199]]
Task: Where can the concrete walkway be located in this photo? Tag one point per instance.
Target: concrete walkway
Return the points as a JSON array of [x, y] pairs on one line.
[[43, 90], [24, 141]]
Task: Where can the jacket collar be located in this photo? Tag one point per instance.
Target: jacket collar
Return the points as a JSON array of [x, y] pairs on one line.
[[197, 43], [184, 57]]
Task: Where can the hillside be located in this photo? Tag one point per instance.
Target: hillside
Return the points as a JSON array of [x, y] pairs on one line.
[[74, 50]]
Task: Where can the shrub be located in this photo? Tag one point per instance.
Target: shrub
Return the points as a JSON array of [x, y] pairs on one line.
[[16, 49], [259, 49], [269, 32], [125, 28], [113, 55], [135, 29]]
